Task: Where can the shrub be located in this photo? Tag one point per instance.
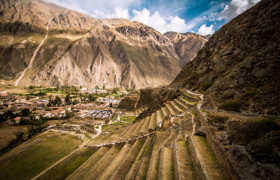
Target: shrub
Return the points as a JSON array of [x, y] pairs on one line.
[[115, 90], [232, 105], [246, 132], [206, 85], [25, 112], [214, 119]]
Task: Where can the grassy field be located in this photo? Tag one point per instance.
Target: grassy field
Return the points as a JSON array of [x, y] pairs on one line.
[[29, 159], [128, 119], [67, 167], [11, 135]]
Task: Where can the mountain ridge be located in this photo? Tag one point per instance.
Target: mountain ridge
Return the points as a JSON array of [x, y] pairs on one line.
[[109, 52]]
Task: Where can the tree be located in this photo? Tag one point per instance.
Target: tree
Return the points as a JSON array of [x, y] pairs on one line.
[[91, 98], [67, 99], [57, 101]]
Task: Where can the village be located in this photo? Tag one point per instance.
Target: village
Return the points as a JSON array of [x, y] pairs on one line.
[[67, 109]]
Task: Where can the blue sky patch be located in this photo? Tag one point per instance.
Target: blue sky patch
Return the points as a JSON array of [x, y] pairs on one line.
[[199, 16]]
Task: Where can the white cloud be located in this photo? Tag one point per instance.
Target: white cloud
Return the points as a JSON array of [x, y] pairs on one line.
[[160, 18], [99, 8], [121, 13], [206, 30], [159, 22], [236, 7]]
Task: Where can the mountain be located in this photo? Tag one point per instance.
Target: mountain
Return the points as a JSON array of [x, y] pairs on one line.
[[186, 45], [43, 44], [238, 68], [236, 75]]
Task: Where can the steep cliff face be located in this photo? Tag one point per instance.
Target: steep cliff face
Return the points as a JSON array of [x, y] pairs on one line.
[[239, 65], [186, 45], [43, 44]]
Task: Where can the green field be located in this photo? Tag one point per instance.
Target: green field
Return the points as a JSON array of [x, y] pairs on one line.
[[29, 159], [69, 165]]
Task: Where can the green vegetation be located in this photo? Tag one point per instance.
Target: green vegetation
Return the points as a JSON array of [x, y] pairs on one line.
[[206, 85], [68, 166], [87, 98], [43, 152], [54, 101], [128, 119], [67, 99], [215, 119], [6, 115], [113, 127], [209, 154], [63, 90], [232, 105]]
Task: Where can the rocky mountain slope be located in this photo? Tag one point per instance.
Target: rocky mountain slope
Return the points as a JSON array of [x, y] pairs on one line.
[[237, 73], [186, 45], [239, 65], [43, 44]]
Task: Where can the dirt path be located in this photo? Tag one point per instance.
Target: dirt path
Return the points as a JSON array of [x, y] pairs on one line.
[[33, 56]]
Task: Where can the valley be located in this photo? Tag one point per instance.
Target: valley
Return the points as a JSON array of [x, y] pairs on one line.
[[88, 98], [160, 145]]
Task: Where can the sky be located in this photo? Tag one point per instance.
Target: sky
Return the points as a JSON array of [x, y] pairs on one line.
[[199, 16]]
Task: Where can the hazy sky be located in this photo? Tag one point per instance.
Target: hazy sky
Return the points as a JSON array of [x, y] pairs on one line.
[[199, 16]]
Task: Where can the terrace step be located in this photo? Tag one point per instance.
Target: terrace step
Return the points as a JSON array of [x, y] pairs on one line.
[[189, 96], [159, 142], [145, 126], [127, 161], [159, 116], [107, 173], [137, 130], [181, 105], [182, 160], [185, 102], [205, 159], [104, 162], [143, 154], [126, 130], [188, 100], [177, 108], [153, 122], [165, 111], [171, 109], [141, 174], [154, 161], [83, 170], [132, 130], [165, 169]]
